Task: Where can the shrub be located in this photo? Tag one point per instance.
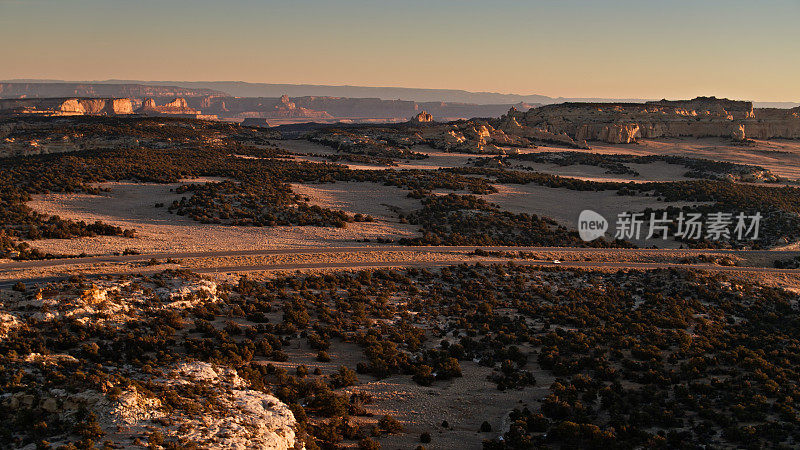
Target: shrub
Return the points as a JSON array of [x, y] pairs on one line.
[[344, 377], [368, 444], [390, 425], [423, 375]]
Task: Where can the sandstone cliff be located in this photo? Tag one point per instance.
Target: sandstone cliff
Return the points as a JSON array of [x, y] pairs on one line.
[[67, 106], [178, 106], [627, 122], [422, 117], [349, 108]]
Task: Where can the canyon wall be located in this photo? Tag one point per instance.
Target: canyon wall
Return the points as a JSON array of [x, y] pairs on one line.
[[341, 107], [67, 106], [175, 107], [39, 97], [627, 122]]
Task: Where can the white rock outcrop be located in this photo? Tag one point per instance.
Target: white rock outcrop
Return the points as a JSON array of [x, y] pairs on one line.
[[254, 419]]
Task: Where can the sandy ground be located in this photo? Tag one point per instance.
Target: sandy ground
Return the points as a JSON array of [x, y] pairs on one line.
[[131, 205], [565, 205], [225, 262], [436, 159], [782, 157], [358, 197], [656, 171], [790, 282], [654, 256], [464, 402], [220, 267]]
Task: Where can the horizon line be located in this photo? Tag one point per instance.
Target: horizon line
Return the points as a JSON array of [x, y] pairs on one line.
[[560, 97]]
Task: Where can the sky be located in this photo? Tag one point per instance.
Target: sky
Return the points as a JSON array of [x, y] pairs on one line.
[[570, 48]]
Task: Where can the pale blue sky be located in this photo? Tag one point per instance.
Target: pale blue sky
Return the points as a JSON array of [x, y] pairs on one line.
[[574, 48]]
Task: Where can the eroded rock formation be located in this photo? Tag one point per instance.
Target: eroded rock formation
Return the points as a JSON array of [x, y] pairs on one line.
[[178, 106], [346, 108], [626, 122], [422, 117], [67, 106]]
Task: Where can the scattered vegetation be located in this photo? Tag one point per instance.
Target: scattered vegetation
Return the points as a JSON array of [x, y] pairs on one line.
[[641, 358], [779, 206], [468, 220], [365, 146], [256, 192], [618, 164]]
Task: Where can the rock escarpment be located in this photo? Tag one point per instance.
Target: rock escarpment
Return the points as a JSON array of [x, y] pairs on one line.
[[771, 123], [626, 122], [97, 106], [573, 124], [422, 117], [176, 107], [289, 109], [344, 108], [67, 106], [471, 136]]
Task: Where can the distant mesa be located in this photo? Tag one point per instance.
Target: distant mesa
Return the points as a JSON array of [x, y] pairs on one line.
[[284, 106], [522, 106], [286, 102], [576, 124], [67, 106], [422, 117], [622, 123], [99, 90], [288, 109], [148, 103], [572, 124], [178, 107]]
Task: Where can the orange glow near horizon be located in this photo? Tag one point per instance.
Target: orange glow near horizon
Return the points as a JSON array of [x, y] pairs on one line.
[[571, 48]]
